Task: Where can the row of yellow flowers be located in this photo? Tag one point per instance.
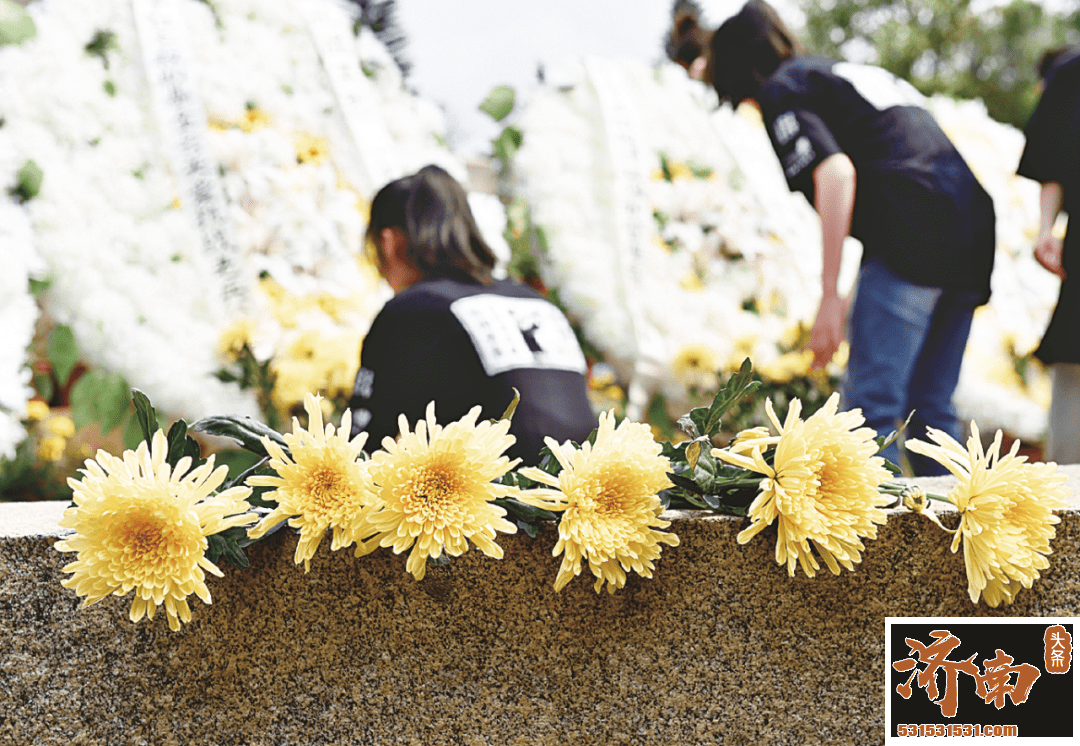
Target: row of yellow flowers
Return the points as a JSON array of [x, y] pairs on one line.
[[149, 521]]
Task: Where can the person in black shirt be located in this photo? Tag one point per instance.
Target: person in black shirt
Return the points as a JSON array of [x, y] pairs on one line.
[[857, 142], [454, 335], [1052, 157]]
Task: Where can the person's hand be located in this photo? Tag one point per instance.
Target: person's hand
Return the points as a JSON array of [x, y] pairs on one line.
[[1048, 254], [828, 330]]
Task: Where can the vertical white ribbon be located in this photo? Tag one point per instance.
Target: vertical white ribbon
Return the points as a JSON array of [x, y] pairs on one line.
[[631, 165], [330, 28], [182, 121]]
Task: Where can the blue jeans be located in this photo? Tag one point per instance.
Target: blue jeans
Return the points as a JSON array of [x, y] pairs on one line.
[[907, 342]]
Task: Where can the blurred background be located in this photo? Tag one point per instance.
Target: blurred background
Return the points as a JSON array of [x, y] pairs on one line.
[[186, 185]]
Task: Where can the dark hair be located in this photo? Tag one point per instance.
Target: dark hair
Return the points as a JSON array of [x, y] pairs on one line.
[[747, 49], [1047, 64], [432, 210], [688, 40]]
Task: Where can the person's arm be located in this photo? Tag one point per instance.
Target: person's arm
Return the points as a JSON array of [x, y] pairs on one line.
[[1047, 245], [834, 200]]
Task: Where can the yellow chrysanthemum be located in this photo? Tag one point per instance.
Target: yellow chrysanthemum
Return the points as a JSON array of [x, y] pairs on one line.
[[693, 282], [607, 494], [36, 410], [1006, 512], [61, 426], [253, 118], [822, 488], [322, 485], [786, 367], [52, 447], [311, 149], [140, 524], [696, 366], [233, 339], [434, 489]]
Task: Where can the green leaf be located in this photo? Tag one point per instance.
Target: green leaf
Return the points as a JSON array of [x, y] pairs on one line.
[[229, 545], [657, 416], [885, 441], [260, 467], [241, 463], [16, 25], [99, 397], [145, 415], [526, 516], [43, 385], [499, 103], [688, 424], [181, 444], [132, 433], [63, 352], [706, 420], [100, 45], [248, 433], [28, 181], [665, 166], [530, 529], [38, 287], [685, 482], [512, 407], [507, 143]]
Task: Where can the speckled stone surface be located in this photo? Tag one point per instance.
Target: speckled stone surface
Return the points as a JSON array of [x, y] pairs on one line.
[[721, 647]]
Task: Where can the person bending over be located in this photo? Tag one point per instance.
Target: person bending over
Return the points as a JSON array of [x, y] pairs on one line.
[[858, 143], [454, 335]]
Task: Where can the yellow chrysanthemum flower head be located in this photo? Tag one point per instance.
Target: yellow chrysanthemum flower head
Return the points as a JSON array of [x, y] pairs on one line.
[[821, 489], [1006, 512], [253, 118], [321, 484], [233, 339], [434, 489], [312, 149], [142, 525], [696, 366], [607, 493], [51, 448], [61, 426], [36, 410]]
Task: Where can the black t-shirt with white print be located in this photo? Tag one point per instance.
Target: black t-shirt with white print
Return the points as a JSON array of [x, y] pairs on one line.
[[918, 207], [461, 344]]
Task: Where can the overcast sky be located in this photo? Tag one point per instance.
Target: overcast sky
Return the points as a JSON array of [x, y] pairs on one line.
[[460, 50]]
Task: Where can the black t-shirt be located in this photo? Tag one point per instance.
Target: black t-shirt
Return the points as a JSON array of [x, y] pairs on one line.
[[1052, 153], [1052, 146], [461, 344], [918, 207]]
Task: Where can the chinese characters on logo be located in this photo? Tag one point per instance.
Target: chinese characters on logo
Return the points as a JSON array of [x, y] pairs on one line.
[[998, 679], [1057, 649]]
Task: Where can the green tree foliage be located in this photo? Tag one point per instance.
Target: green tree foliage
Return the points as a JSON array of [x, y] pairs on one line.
[[942, 46]]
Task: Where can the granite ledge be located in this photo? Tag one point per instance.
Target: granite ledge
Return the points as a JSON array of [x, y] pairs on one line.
[[720, 647]]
